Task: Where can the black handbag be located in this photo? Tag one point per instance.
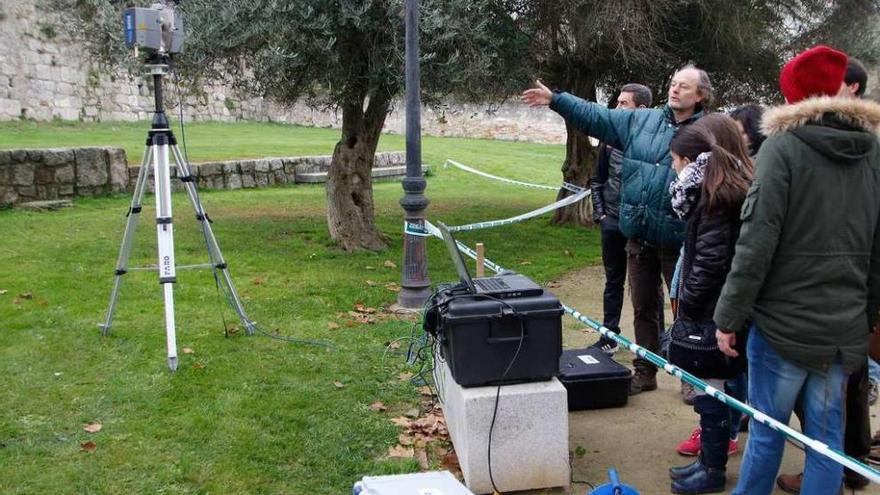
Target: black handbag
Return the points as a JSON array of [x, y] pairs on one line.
[[694, 348]]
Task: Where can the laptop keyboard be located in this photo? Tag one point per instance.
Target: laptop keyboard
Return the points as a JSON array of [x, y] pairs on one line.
[[491, 284]]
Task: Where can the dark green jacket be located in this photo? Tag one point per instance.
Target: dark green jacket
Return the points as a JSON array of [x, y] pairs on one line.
[[643, 136], [806, 268]]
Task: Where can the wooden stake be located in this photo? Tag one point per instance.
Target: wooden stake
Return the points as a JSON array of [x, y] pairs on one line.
[[481, 257]]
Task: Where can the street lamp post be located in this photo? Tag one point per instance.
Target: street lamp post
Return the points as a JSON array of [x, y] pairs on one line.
[[415, 284]]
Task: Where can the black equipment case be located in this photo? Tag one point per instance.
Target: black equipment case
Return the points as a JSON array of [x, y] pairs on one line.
[[479, 337], [593, 379]]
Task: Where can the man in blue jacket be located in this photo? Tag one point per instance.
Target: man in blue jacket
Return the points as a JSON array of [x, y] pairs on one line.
[[653, 230]]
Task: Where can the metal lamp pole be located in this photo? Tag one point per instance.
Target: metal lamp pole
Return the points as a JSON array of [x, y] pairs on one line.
[[414, 281]]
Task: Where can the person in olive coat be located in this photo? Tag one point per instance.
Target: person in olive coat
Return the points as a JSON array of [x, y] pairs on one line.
[[806, 272]]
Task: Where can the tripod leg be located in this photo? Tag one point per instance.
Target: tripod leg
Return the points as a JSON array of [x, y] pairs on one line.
[[130, 226], [165, 234], [213, 247]]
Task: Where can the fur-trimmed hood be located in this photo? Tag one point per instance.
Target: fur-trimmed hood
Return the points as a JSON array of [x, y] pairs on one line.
[[862, 114]]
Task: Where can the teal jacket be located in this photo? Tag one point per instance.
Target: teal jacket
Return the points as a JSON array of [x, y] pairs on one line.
[[807, 266], [643, 136]]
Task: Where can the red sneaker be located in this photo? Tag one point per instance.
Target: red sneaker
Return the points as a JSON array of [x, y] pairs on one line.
[[732, 447], [691, 446]]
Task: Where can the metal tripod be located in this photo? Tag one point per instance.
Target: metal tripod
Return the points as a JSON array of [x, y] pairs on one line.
[[161, 142]]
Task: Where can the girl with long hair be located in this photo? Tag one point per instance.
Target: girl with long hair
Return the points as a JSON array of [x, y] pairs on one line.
[[714, 173]]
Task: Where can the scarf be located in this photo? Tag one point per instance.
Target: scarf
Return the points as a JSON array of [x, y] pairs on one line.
[[685, 189]]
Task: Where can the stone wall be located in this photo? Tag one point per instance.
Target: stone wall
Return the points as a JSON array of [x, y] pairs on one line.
[[44, 75], [30, 175], [63, 173]]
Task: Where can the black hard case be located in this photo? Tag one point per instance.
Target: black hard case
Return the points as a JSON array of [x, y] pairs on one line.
[[600, 384], [479, 338]]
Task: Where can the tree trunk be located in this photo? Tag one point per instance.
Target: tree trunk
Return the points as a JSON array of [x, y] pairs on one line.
[[349, 182], [579, 164]]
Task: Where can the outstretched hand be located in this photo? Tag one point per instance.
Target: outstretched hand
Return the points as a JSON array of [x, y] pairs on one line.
[[536, 97], [726, 341]]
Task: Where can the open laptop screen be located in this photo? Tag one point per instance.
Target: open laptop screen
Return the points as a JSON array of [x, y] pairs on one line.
[[457, 260]]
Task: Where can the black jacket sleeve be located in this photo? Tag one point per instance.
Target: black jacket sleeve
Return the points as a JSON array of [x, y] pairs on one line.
[[709, 263], [597, 182]]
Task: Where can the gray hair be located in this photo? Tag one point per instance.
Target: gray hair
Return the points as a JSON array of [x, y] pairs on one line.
[[704, 85], [641, 94]]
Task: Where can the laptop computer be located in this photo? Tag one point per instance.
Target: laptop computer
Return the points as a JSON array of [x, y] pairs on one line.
[[502, 286]]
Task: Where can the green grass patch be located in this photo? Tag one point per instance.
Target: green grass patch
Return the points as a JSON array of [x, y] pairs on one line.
[[242, 414]]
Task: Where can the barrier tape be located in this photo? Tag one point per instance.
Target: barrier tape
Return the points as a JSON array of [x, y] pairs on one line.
[[565, 185], [785, 430], [525, 216]]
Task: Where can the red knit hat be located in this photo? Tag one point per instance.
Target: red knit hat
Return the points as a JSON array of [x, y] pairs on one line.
[[818, 71]]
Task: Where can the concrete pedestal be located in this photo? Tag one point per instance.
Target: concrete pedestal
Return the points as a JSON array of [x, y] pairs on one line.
[[529, 441]]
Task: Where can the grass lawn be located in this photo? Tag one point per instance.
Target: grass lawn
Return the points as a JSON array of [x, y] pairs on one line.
[[242, 414]]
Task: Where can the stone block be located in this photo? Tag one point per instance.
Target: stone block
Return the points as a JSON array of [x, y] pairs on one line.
[[248, 167], [311, 177], [19, 156], [231, 168], [232, 181], [47, 191], [44, 175], [117, 165], [23, 174], [247, 180], [261, 179], [35, 156], [5, 158], [8, 195], [91, 167], [26, 192], [65, 174], [262, 165], [210, 169], [65, 191], [529, 441], [279, 177], [10, 108], [57, 157], [276, 164]]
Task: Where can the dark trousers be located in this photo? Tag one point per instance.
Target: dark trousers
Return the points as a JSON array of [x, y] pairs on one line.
[[714, 431], [614, 261], [648, 267], [857, 429]]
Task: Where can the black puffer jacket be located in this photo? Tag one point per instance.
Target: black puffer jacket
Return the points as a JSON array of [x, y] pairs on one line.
[[708, 253]]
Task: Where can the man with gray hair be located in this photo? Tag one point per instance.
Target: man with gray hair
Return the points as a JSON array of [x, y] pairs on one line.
[[653, 230], [605, 195]]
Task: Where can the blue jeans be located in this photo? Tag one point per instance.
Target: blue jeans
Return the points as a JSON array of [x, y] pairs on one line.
[[736, 388], [873, 371], [774, 386]]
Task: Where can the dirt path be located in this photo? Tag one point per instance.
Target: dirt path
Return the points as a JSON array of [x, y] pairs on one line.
[[639, 439]]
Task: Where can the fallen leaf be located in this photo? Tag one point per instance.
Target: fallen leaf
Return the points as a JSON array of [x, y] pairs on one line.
[[393, 286], [389, 264], [92, 427], [362, 308], [17, 301], [426, 390], [422, 457], [440, 451], [567, 253], [378, 406], [401, 452], [412, 413], [525, 262], [187, 350], [199, 366], [26, 295], [340, 314], [258, 280], [401, 421], [88, 446], [406, 375], [338, 384], [394, 345], [552, 285], [332, 325], [368, 267], [3, 291], [370, 283]]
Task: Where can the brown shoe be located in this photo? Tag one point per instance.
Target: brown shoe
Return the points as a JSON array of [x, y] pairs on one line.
[[643, 381], [790, 483]]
